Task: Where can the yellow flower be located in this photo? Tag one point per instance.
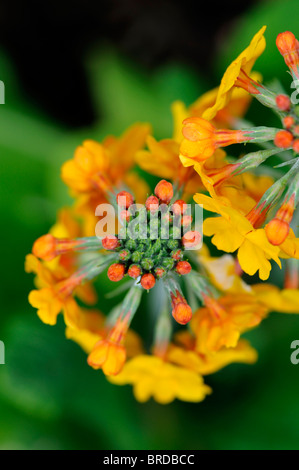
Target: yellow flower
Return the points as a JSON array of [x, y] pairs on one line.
[[222, 321], [223, 272], [211, 362], [232, 231], [284, 301], [54, 294], [96, 167], [244, 62], [235, 108], [92, 329], [153, 377]]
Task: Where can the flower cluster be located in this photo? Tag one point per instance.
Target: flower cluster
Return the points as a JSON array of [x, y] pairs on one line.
[[153, 245]]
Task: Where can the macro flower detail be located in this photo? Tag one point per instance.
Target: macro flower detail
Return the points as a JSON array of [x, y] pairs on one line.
[[143, 245]]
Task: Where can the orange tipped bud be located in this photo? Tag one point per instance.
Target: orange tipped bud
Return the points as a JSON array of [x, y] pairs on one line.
[[296, 145], [288, 122], [164, 191], [124, 199], [160, 272], [191, 239], [179, 207], [283, 139], [45, 247], [181, 311], [148, 281], [152, 204], [116, 272], [110, 242], [296, 130], [183, 267], [287, 45], [134, 271], [286, 42], [277, 231], [177, 254], [278, 228], [283, 102]]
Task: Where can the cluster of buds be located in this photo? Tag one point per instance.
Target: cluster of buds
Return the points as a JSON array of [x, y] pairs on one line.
[[153, 239]]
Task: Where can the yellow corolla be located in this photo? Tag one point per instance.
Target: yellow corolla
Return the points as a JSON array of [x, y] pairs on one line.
[[151, 376], [232, 231], [244, 62]]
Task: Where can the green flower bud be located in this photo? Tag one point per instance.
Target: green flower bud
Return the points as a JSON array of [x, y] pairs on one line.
[[147, 264]]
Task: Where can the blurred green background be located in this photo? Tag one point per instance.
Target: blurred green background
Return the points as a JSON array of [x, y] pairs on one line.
[[49, 397]]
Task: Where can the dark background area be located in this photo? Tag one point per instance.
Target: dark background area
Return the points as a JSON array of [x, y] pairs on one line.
[[47, 42]]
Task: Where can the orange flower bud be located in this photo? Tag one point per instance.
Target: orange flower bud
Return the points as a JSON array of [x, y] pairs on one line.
[[110, 242], [148, 281], [288, 122], [283, 139], [288, 47], [296, 130], [283, 102], [179, 207], [124, 199], [296, 145], [278, 228], [152, 204], [134, 271], [277, 231], [45, 247], [191, 239], [116, 272], [160, 272], [164, 191], [181, 311], [177, 254], [183, 267]]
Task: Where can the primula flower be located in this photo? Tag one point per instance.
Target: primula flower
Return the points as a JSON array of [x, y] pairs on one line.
[[155, 248], [239, 69], [151, 376], [222, 321], [184, 354]]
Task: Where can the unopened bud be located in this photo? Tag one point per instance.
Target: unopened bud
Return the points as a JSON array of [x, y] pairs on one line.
[[116, 272], [124, 199], [164, 191], [148, 281], [183, 267], [110, 242], [134, 271], [283, 102], [283, 139]]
